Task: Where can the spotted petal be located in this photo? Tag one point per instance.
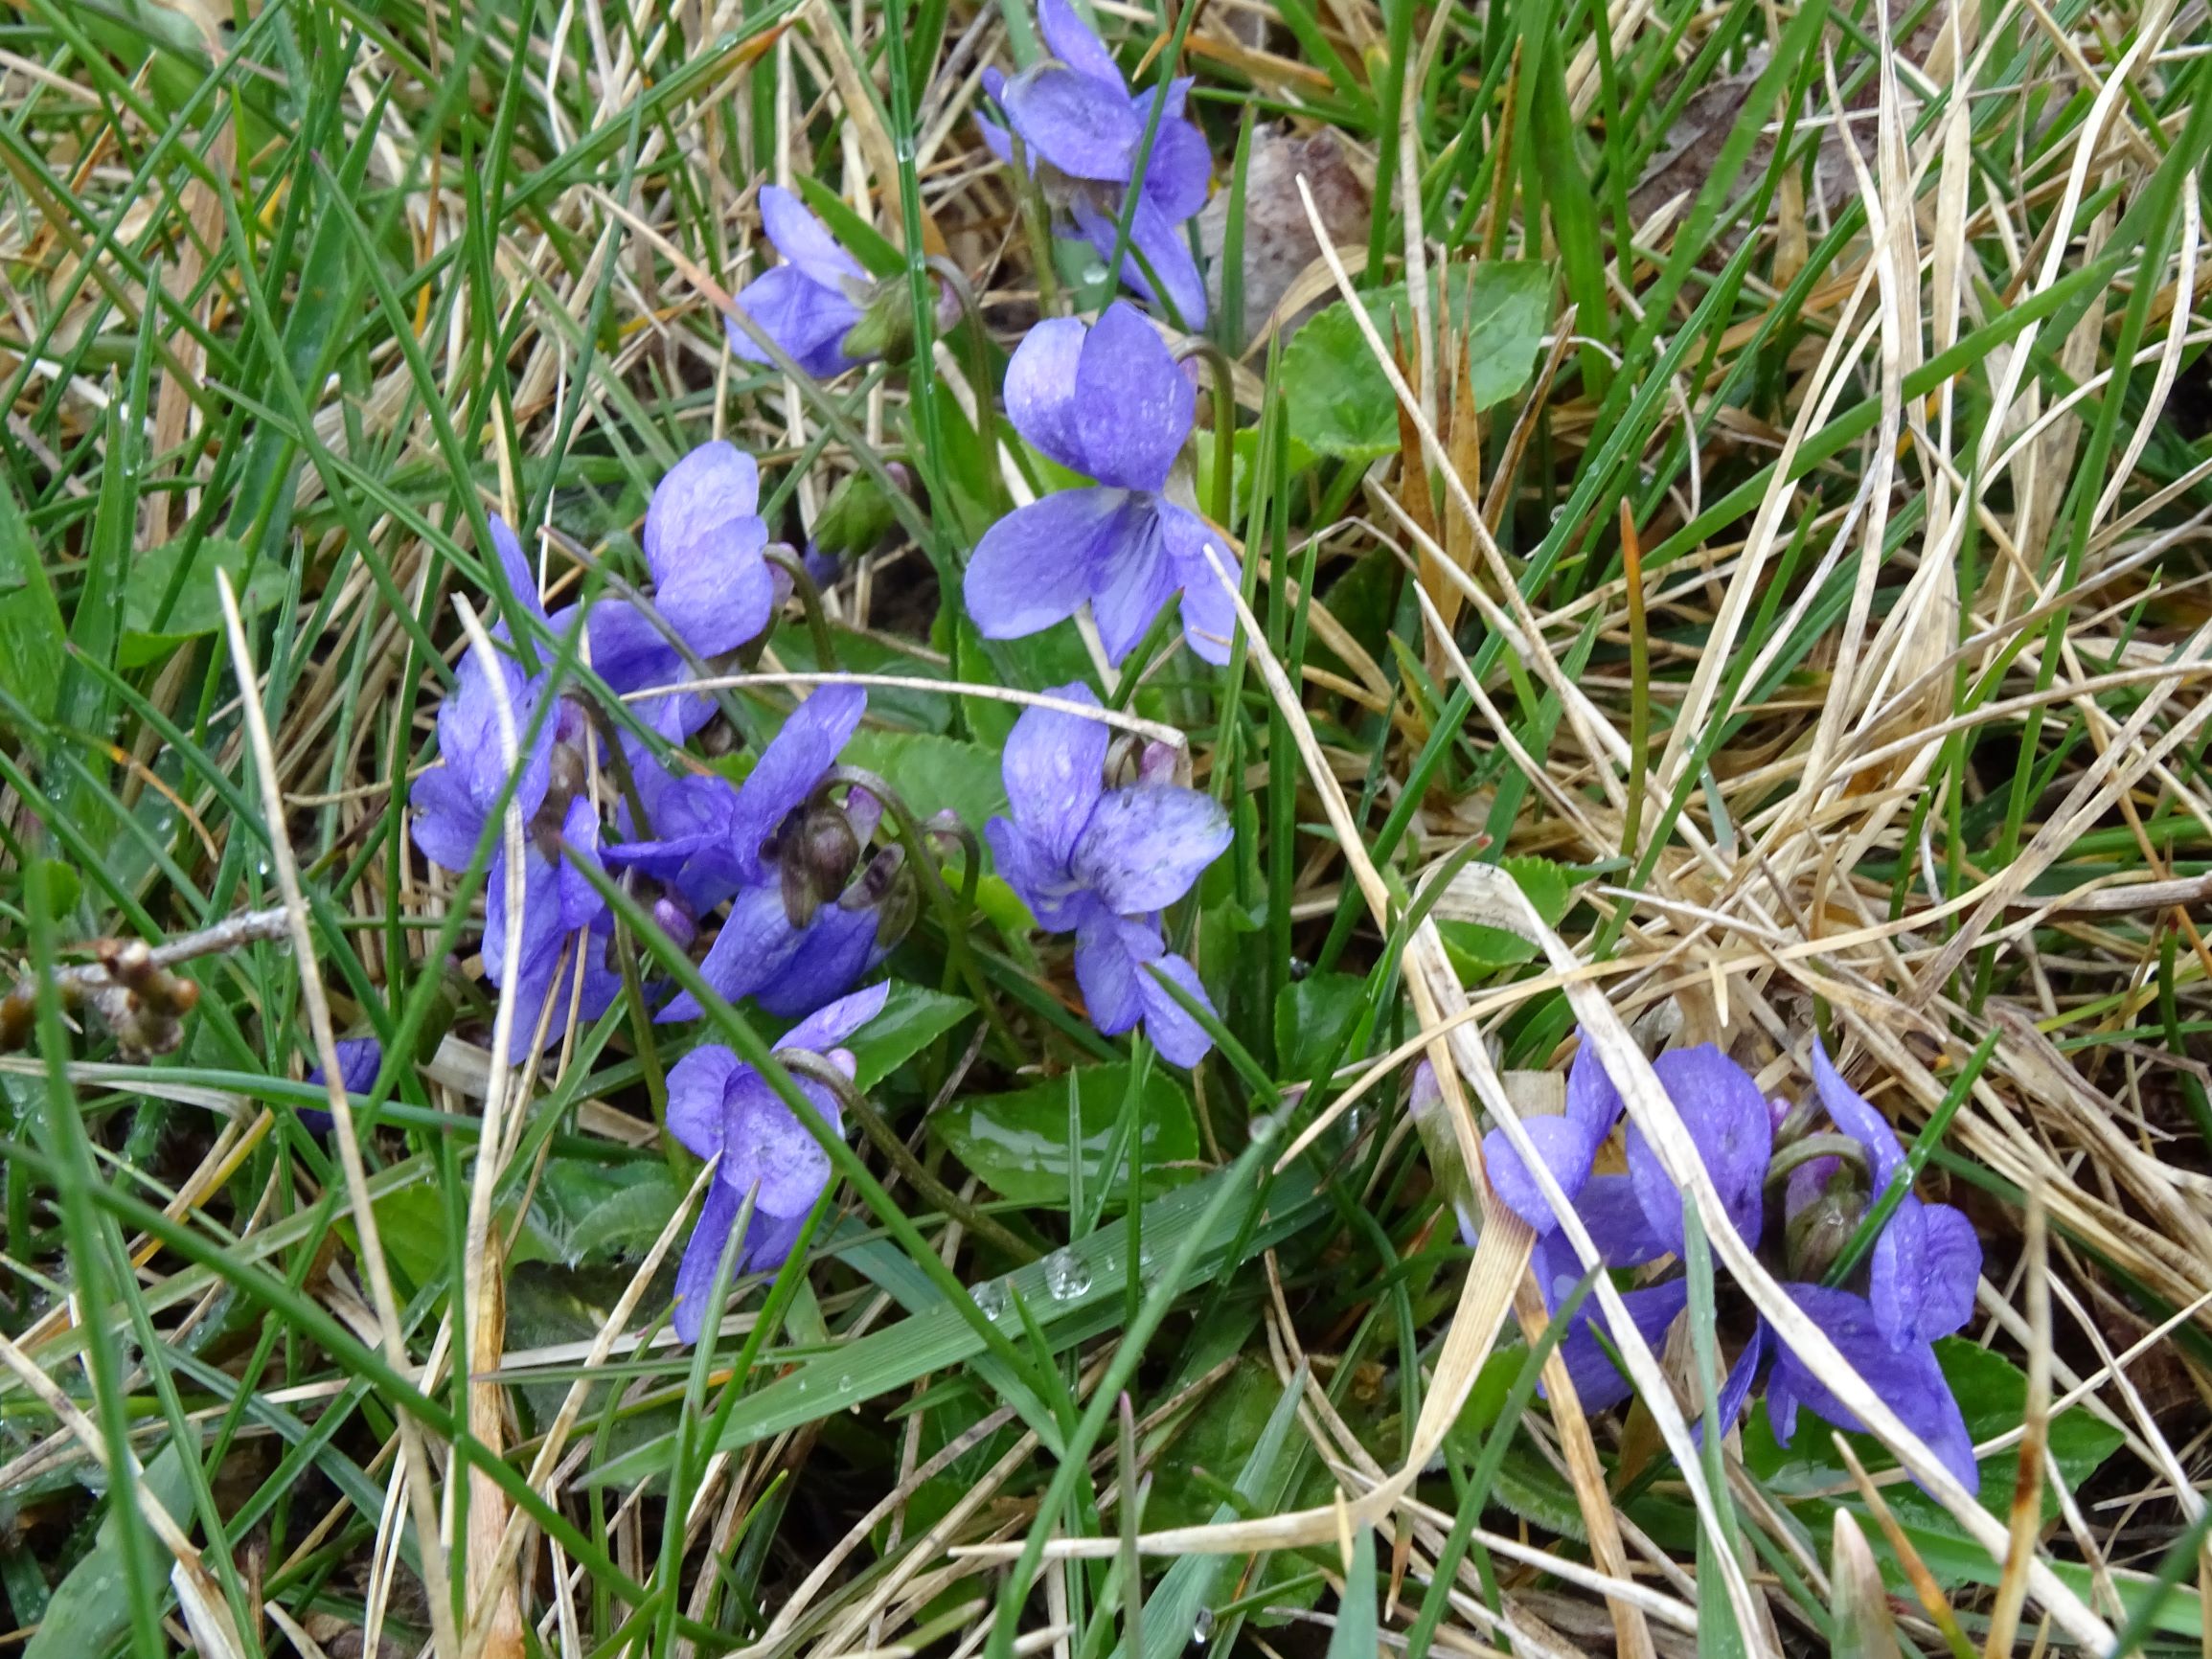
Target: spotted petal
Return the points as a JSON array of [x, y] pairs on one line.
[[1146, 845], [1134, 403], [1055, 771]]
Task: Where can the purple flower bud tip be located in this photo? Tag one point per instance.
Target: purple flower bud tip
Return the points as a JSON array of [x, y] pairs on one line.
[[1108, 401], [673, 918], [1103, 863]]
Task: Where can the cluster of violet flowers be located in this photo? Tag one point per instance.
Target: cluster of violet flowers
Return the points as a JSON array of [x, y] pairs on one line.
[[1105, 399], [1796, 1195], [1100, 835]]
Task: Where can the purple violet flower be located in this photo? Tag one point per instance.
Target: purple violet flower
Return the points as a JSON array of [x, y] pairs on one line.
[[1081, 128], [1928, 1259], [719, 1106], [359, 1061], [1108, 401], [566, 930], [1103, 863], [716, 841], [453, 804], [1924, 1292], [452, 801], [704, 543], [810, 301]]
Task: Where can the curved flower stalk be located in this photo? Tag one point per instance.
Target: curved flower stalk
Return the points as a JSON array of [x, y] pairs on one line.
[[807, 916], [1082, 130], [1102, 863], [1925, 1291], [721, 1107], [1108, 400]]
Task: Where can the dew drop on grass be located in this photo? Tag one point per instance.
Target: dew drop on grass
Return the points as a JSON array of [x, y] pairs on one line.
[[990, 1296], [1202, 1627], [1264, 1128], [1093, 273], [1067, 1275]]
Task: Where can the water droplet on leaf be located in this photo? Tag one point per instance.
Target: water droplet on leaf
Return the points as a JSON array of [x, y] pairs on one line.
[[989, 1297], [1067, 1275], [1202, 1627]]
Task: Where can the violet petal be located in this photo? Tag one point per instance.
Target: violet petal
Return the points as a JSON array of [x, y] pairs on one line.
[[1078, 125], [1565, 1148], [828, 1025], [702, 1257], [1909, 1380], [768, 1151], [1055, 771], [1106, 970], [697, 1085], [808, 321], [803, 239], [1181, 1040], [1036, 565], [1145, 846], [1134, 403], [1041, 389], [1070, 40]]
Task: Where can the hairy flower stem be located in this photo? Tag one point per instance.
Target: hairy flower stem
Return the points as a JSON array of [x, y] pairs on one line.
[[1036, 220], [979, 338], [1799, 1153], [810, 601], [854, 1104], [1224, 380], [131, 989]]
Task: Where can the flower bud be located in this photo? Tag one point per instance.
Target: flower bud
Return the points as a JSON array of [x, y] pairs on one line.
[[886, 887], [886, 325], [815, 851], [1817, 1232], [859, 513]]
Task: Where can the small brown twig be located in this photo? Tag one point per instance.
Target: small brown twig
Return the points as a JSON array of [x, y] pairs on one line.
[[129, 988]]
